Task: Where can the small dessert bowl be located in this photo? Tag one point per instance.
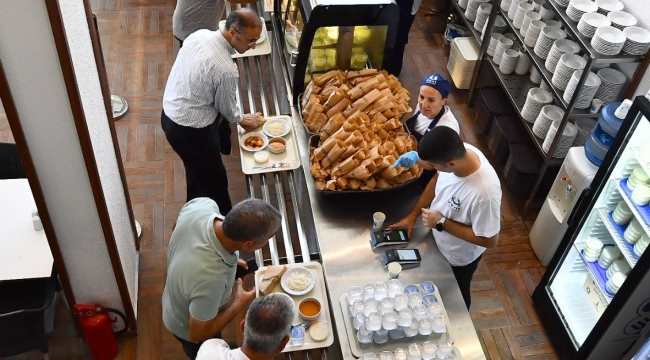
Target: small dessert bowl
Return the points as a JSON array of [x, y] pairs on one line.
[[277, 145], [309, 308]]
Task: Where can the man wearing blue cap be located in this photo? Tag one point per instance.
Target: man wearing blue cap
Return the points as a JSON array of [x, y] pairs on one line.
[[430, 112]]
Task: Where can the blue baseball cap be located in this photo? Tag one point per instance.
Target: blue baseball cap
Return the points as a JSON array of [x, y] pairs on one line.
[[437, 82]]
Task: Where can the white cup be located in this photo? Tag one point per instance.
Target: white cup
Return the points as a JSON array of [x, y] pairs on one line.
[[394, 269], [38, 225], [595, 105], [378, 220]]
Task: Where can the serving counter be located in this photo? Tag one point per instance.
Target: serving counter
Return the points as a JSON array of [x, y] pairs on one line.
[[342, 225]]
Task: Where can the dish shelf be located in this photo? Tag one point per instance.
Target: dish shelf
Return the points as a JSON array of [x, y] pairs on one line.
[[468, 22], [597, 273], [617, 231], [641, 213], [585, 42]]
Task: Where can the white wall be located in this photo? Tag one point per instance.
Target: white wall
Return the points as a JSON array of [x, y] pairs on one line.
[[641, 10], [31, 63]]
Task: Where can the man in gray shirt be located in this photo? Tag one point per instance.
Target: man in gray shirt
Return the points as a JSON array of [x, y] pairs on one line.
[[199, 103], [192, 15], [201, 294]]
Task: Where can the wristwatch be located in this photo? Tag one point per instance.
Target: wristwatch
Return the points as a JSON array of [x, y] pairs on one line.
[[440, 226]]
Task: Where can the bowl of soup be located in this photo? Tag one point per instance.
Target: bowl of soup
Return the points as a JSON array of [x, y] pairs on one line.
[[277, 145], [309, 308]]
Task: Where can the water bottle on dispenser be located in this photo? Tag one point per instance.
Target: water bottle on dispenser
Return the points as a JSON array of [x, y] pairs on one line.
[[602, 136]]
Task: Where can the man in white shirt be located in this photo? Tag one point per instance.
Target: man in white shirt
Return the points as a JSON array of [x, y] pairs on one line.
[[266, 331], [461, 203], [200, 102]]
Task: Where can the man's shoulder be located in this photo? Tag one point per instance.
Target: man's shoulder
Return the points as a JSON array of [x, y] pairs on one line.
[[218, 349]]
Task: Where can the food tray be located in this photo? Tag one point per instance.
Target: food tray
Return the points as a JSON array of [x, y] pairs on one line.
[[291, 154], [313, 142], [391, 345], [644, 211], [599, 274], [621, 231], [263, 48], [319, 292]]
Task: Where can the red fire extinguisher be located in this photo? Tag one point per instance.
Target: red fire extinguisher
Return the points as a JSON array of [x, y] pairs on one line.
[[96, 325]]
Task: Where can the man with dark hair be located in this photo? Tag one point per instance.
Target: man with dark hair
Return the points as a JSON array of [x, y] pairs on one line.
[[199, 103], [201, 294], [266, 331], [461, 203]]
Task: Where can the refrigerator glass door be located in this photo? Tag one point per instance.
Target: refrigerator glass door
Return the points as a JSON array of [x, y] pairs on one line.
[[583, 287]]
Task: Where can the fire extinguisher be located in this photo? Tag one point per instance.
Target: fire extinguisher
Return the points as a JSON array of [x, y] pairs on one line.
[[96, 325]]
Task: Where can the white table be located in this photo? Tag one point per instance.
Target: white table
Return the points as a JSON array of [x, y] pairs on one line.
[[24, 252]]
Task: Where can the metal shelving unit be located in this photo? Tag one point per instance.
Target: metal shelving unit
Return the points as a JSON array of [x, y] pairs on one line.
[[517, 86]]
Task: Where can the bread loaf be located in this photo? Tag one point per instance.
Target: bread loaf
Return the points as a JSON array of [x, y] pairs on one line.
[[271, 277]]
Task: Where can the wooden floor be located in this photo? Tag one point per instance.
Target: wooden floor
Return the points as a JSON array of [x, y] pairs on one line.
[[139, 50]]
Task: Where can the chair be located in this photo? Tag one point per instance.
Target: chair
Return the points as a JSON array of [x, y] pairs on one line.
[[10, 165], [22, 307]]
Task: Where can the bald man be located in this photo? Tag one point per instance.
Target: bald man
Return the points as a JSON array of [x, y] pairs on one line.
[[199, 103]]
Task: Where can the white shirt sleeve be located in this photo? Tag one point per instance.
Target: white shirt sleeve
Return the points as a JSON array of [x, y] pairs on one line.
[[449, 120], [486, 217], [225, 99]]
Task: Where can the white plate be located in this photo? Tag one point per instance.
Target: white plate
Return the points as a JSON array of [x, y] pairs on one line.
[[622, 18], [243, 138], [287, 128], [610, 35], [262, 37], [584, 5], [610, 5], [297, 269], [637, 34], [596, 20]]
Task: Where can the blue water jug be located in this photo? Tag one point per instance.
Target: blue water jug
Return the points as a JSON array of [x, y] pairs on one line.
[[608, 124]]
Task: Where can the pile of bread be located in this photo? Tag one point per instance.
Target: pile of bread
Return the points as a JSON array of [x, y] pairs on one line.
[[357, 116]]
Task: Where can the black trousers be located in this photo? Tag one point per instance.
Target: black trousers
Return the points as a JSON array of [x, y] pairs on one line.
[[402, 38], [199, 150], [464, 276]]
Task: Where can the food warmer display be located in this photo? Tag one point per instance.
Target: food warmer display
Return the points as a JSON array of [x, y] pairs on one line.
[[321, 35]]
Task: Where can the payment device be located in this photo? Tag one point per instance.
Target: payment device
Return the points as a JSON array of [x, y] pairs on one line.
[[389, 238], [408, 258]]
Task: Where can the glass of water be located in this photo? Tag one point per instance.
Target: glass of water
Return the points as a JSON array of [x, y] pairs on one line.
[[401, 354], [428, 350], [369, 356], [386, 305], [444, 348], [374, 321], [400, 301], [386, 355], [381, 290], [359, 320], [355, 293], [368, 291], [414, 352], [370, 305], [395, 286]]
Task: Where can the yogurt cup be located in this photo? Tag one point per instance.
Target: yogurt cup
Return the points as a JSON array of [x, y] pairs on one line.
[[641, 194]]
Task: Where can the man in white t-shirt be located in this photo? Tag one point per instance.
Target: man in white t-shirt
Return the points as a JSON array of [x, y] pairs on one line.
[[461, 203], [266, 331]]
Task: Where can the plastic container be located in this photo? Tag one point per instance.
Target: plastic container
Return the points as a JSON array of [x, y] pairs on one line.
[[608, 124], [595, 150]]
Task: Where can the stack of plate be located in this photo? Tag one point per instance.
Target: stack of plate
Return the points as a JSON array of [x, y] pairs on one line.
[[605, 6], [554, 24], [589, 22], [472, 8], [523, 63], [494, 41], [564, 3], [638, 40], [512, 10], [508, 61], [588, 91], [608, 40], [567, 65], [547, 11], [499, 26], [559, 48], [505, 5], [577, 8], [612, 82], [532, 33], [463, 3], [566, 140], [538, 4], [546, 117], [545, 41], [584, 127], [482, 15], [504, 43], [544, 86], [535, 76], [522, 9], [621, 19], [535, 100], [528, 17]]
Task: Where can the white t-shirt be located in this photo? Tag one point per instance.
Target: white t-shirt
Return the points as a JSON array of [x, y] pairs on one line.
[[473, 200], [447, 119], [217, 349]]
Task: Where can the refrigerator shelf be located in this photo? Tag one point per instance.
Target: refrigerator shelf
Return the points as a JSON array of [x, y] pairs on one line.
[[645, 164], [617, 232], [577, 311], [642, 213], [599, 274]]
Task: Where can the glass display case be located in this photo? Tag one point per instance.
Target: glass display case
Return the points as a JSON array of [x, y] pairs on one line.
[[318, 36]]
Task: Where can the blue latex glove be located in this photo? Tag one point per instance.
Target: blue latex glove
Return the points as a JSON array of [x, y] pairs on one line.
[[407, 160]]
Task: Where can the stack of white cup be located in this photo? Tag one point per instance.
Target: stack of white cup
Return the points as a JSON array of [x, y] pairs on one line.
[[523, 63], [508, 61], [641, 245], [607, 256], [622, 214], [633, 232], [638, 176], [615, 282], [593, 248], [641, 194], [619, 265], [503, 45]]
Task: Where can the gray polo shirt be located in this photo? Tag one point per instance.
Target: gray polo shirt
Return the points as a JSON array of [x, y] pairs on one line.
[[200, 272]]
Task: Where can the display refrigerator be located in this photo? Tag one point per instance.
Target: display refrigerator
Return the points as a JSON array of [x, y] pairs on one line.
[[317, 36], [589, 308]]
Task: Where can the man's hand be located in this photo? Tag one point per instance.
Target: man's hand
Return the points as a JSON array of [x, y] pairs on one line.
[[407, 160], [407, 223], [250, 122], [430, 217], [241, 297]]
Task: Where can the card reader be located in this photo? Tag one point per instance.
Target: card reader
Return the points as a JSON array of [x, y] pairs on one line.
[[408, 258], [389, 238]]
